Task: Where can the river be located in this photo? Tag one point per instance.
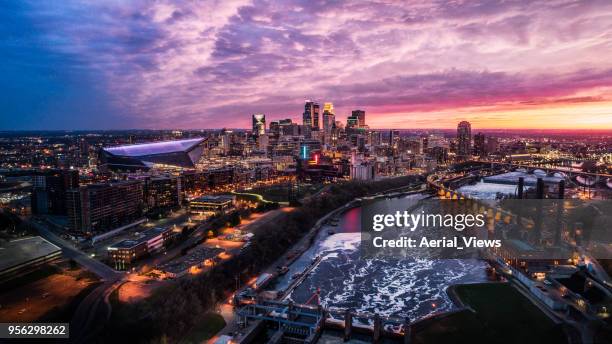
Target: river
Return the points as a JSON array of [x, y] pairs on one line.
[[405, 287]]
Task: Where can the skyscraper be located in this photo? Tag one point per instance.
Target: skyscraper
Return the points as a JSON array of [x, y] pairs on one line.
[[328, 117], [464, 140], [492, 145], [394, 136], [311, 115], [98, 208], [360, 115], [352, 122], [259, 124], [275, 130], [480, 148]]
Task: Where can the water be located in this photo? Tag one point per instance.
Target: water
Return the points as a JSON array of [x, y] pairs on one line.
[[405, 287], [482, 190], [506, 183]]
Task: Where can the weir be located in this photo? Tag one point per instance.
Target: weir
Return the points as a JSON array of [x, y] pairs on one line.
[[304, 323]]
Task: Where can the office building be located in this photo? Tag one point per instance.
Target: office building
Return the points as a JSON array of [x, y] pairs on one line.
[[288, 128], [212, 204], [480, 148], [98, 208], [492, 145], [125, 252], [328, 118], [394, 136], [352, 122], [310, 117], [163, 193], [259, 124], [360, 116], [464, 140], [49, 190]]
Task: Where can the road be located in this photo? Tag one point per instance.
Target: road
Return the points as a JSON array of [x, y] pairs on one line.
[[91, 315], [84, 324], [103, 271]]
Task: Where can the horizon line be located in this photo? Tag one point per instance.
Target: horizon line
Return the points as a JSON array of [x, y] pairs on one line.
[[247, 129]]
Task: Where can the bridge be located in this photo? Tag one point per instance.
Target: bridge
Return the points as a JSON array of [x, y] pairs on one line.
[[579, 179]]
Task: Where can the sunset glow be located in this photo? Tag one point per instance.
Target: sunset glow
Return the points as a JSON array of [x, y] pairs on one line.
[[413, 64]]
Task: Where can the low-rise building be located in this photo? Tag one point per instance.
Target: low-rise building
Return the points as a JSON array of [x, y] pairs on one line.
[[212, 204], [21, 256], [125, 252]]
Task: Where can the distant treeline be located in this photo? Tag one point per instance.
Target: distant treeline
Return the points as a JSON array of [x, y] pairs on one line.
[[173, 310]]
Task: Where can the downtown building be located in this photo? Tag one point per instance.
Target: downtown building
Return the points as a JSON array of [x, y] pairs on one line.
[[310, 118], [162, 193], [123, 253], [259, 124], [99, 208], [49, 189], [464, 140]]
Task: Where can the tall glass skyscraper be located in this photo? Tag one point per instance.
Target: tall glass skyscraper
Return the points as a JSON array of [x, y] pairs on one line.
[[464, 139], [360, 115], [328, 117], [259, 124], [311, 115]]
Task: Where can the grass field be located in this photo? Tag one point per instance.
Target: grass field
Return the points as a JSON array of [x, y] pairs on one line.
[[503, 315]]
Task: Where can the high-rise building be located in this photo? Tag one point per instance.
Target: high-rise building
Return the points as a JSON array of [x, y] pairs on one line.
[[394, 136], [360, 115], [480, 148], [262, 142], [311, 115], [328, 117], [163, 193], [288, 128], [492, 145], [352, 122], [275, 130], [49, 190], [464, 140], [259, 124], [99, 208]]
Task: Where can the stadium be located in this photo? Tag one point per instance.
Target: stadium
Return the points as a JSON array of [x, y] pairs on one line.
[[164, 154]]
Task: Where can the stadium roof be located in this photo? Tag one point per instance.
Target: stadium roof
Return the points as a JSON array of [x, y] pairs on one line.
[[178, 153], [154, 147]]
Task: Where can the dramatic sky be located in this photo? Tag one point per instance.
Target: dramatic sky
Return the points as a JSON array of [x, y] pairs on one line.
[[210, 64]]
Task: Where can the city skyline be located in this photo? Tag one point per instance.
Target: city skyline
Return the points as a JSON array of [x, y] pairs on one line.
[[413, 65]]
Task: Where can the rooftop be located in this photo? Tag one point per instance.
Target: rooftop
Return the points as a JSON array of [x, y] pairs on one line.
[[153, 148], [214, 198], [22, 251], [143, 237]]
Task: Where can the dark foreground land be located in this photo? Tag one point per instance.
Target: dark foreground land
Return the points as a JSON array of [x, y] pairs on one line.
[[501, 315], [173, 312]]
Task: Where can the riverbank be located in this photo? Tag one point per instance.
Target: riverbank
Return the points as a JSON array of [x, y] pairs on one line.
[[490, 312], [174, 307], [306, 243], [411, 288]]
